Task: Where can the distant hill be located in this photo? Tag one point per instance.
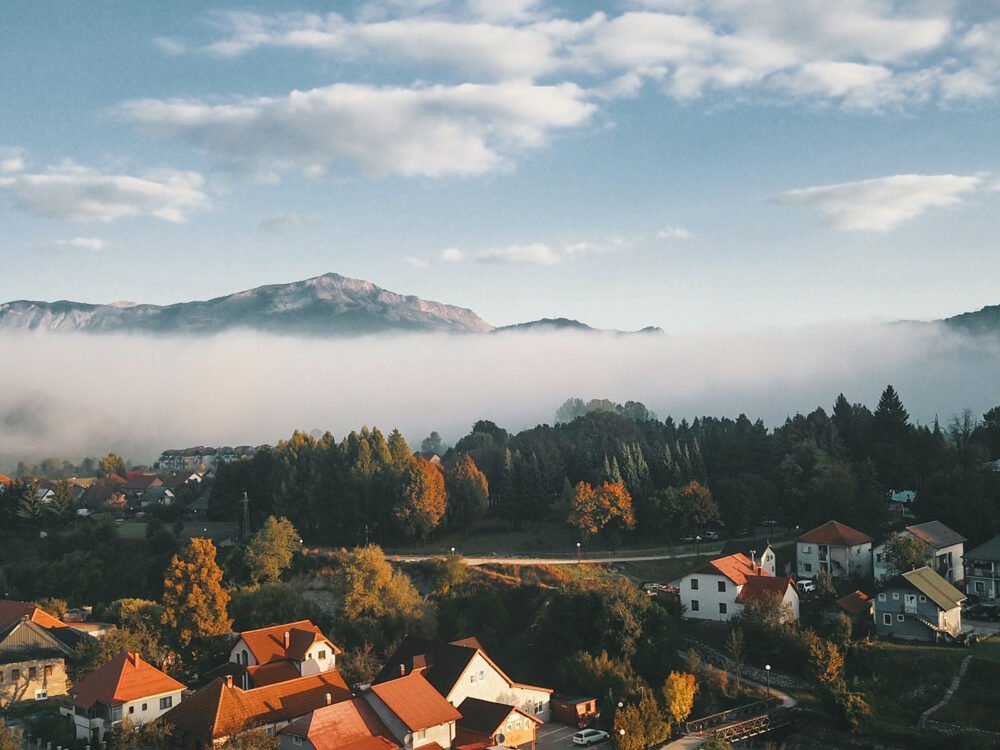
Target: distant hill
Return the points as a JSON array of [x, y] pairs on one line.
[[982, 322], [565, 324], [327, 305]]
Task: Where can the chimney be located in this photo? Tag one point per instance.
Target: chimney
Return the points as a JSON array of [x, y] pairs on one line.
[[402, 670], [288, 639], [329, 699], [229, 680]]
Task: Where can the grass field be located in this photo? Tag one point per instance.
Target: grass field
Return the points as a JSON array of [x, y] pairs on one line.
[[214, 530], [975, 702]]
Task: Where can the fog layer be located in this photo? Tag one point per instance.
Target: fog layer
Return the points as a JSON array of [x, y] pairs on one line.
[[76, 395]]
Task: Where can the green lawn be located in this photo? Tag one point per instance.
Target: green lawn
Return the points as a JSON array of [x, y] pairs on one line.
[[214, 530], [975, 702], [662, 571]]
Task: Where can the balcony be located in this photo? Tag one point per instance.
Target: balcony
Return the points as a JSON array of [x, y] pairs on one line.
[[910, 609]]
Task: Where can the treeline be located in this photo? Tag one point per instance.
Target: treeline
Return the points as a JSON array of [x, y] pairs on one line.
[[369, 488]]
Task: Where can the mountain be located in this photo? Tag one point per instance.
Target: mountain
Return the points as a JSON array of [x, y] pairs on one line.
[[327, 305], [566, 324], [984, 321]]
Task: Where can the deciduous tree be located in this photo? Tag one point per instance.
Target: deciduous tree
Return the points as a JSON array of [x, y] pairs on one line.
[[270, 551], [592, 510], [194, 601], [422, 501], [904, 551], [679, 691], [113, 464]]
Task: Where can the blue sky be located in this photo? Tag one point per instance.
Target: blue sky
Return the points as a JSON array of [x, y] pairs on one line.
[[693, 164]]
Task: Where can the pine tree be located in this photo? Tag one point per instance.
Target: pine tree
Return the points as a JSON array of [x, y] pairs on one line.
[[399, 450]]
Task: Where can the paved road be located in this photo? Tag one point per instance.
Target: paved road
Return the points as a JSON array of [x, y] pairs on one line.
[[501, 559]]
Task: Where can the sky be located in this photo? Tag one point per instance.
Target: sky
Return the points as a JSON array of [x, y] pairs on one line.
[[698, 165]]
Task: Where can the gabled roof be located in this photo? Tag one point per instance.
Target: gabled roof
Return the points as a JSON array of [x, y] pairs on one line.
[[759, 587], [935, 588], [220, 708], [125, 678], [11, 611], [55, 642], [142, 481], [350, 724], [443, 663], [416, 702], [836, 534], [856, 603], [4, 479], [268, 644], [485, 717], [737, 568], [936, 534], [988, 551]]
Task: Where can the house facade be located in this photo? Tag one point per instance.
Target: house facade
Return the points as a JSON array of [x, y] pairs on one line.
[[34, 647], [834, 548], [918, 605], [722, 587], [127, 687], [488, 724], [945, 550], [982, 570], [282, 652]]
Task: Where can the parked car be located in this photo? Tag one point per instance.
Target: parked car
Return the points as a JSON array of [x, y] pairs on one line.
[[589, 736], [806, 586], [983, 612], [689, 538], [710, 535]]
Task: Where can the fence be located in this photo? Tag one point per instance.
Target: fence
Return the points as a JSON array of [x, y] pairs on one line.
[[718, 659], [733, 714]]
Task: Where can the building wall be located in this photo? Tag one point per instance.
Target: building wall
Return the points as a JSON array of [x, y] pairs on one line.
[[25, 687], [517, 730], [708, 597], [442, 734], [481, 680], [956, 573], [908, 627], [853, 561], [313, 664], [237, 651], [139, 711]]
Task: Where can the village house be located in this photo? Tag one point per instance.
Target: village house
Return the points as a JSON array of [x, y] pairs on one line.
[[137, 484], [918, 605], [125, 687], [982, 570], [761, 553], [34, 647], [856, 607], [462, 669], [721, 588], [944, 551], [900, 504], [348, 725], [488, 724], [220, 710], [835, 548], [281, 652]]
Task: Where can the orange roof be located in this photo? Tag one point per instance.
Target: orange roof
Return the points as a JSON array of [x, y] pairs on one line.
[[737, 568], [415, 701], [758, 587], [836, 534], [268, 644], [4, 479], [856, 603], [269, 674], [220, 709], [125, 678], [349, 724], [12, 611]]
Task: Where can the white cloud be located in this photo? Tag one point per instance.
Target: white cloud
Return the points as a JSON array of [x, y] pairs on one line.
[[536, 253], [84, 243], [11, 160], [76, 193], [284, 220], [415, 262], [674, 233], [428, 131], [452, 255], [169, 45], [884, 203]]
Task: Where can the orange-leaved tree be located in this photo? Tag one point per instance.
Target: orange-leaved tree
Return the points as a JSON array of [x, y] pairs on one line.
[[194, 601], [423, 500], [593, 509]]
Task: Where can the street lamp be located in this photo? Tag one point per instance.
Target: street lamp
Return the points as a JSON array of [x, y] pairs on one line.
[[697, 544], [578, 560], [767, 671], [452, 551]]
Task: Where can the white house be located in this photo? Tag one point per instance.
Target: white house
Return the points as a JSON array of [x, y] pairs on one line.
[[761, 553], [719, 589], [462, 669], [836, 548], [125, 687], [945, 548], [282, 652]]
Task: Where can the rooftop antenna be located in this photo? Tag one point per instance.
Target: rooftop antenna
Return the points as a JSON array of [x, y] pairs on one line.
[[245, 502]]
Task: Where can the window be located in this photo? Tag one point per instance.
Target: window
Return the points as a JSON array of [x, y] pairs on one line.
[[41, 695], [887, 619], [48, 670], [694, 605], [722, 609], [923, 598], [806, 549], [166, 702], [296, 740], [15, 675], [881, 597], [900, 618], [472, 678], [895, 596], [517, 724], [481, 675], [694, 584], [32, 673], [321, 655], [131, 709], [722, 585], [808, 567], [243, 658], [878, 557], [145, 706], [1, 677]]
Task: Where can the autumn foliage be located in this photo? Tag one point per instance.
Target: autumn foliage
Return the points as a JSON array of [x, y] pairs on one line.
[[423, 500], [593, 509], [678, 696], [194, 601]]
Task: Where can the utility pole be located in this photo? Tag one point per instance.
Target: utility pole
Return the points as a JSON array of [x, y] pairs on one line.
[[245, 502]]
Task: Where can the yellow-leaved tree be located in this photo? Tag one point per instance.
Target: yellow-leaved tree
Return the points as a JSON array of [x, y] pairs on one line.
[[593, 509], [678, 696], [194, 601]]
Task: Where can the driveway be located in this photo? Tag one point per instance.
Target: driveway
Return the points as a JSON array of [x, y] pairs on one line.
[[553, 736]]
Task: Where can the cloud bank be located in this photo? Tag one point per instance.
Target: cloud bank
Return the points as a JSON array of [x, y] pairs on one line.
[[249, 389]]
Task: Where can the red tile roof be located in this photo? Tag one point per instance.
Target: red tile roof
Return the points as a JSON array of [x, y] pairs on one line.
[[856, 603], [220, 709], [269, 674], [737, 568], [835, 534], [4, 479], [415, 701], [11, 611], [758, 587], [142, 481], [349, 724], [125, 678], [268, 644]]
